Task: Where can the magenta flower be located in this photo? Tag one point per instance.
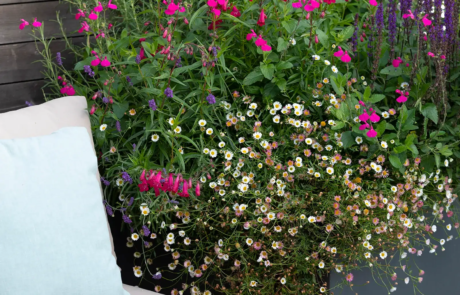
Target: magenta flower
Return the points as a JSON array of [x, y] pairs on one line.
[[92, 16], [364, 116], [403, 97], [197, 189], [266, 47], [99, 8], [311, 5], [373, 2], [371, 133], [36, 23], [95, 62], [375, 118], [93, 109], [410, 14], [259, 42], [105, 62], [111, 6], [212, 3], [80, 13], [172, 8], [297, 4], [431, 54], [343, 55], [364, 126], [426, 21], [84, 27], [235, 12], [262, 17], [23, 24], [68, 89], [251, 35], [397, 62]]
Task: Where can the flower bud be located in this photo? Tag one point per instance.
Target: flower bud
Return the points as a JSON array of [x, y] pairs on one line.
[[308, 16], [185, 20], [316, 39]]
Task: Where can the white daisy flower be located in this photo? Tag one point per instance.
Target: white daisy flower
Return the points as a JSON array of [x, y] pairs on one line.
[[103, 127], [155, 137], [334, 69]]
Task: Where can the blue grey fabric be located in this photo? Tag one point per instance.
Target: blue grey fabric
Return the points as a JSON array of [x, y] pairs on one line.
[[53, 232]]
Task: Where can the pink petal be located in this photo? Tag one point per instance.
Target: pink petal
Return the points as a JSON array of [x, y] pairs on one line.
[[371, 133], [401, 99], [92, 16], [70, 91], [182, 9], [36, 24], [374, 117], [105, 62], [346, 58], [373, 2], [95, 62], [197, 189], [212, 3], [364, 117], [364, 126], [260, 42], [266, 47], [99, 8], [339, 53], [426, 21], [297, 4], [216, 12]]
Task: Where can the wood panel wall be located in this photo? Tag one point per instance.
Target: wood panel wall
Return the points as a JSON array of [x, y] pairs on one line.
[[20, 74]]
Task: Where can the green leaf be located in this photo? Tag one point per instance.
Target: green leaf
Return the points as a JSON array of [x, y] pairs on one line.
[[347, 139], [445, 151], [367, 93], [347, 33], [253, 77], [197, 13], [429, 110], [268, 70], [400, 149], [413, 149], [232, 18], [282, 44], [337, 89], [376, 98], [338, 125], [289, 25], [119, 109], [281, 83], [180, 70], [395, 161], [428, 163], [381, 128], [410, 139], [437, 159], [391, 71], [86, 62], [284, 65], [323, 38]]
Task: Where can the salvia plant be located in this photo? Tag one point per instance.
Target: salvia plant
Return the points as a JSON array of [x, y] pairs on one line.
[[258, 146]]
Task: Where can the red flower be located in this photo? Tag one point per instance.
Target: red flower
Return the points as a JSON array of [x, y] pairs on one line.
[[262, 17]]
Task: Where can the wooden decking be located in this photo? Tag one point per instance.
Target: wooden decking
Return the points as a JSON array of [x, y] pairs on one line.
[[20, 75]]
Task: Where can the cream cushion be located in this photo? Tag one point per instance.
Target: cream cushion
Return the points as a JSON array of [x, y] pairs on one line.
[[47, 118]]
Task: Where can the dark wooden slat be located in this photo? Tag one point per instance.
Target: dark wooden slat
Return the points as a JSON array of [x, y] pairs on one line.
[[10, 16], [18, 61], [13, 96], [2, 2]]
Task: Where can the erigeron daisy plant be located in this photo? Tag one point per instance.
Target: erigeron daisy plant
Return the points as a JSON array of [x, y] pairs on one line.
[[259, 146]]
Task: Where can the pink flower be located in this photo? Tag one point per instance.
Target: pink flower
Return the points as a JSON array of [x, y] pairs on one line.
[[235, 12], [212, 3], [92, 16], [68, 90], [172, 8], [373, 2], [311, 5], [95, 62], [216, 12], [339, 53], [349, 277], [443, 56], [259, 42], [251, 35], [364, 126], [111, 6], [374, 117], [297, 4], [420, 279], [105, 62], [403, 97], [84, 27], [394, 277], [81, 13], [343, 54], [36, 23], [93, 109], [431, 54], [266, 47], [23, 24], [371, 133], [109, 26], [197, 189], [426, 21], [345, 57], [364, 116], [397, 62], [421, 273], [410, 14], [99, 8], [262, 17]]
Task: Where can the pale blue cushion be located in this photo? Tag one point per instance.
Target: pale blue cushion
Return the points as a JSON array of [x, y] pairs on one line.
[[53, 230]]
